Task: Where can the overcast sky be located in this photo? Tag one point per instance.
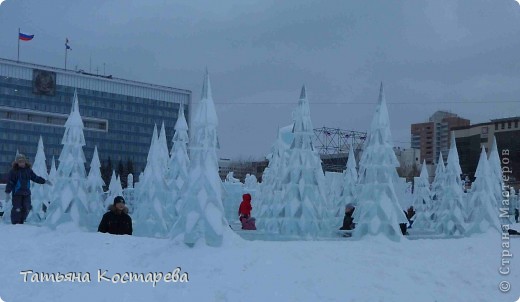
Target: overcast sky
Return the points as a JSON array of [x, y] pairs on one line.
[[456, 55]]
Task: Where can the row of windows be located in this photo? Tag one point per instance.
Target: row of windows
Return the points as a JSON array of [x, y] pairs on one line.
[[129, 134], [116, 101], [28, 138], [119, 121], [168, 117], [12, 86], [59, 103], [112, 141], [97, 85], [112, 149], [509, 125], [13, 114]]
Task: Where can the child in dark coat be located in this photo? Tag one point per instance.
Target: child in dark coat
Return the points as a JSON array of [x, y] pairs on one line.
[[116, 221], [348, 220], [19, 188]]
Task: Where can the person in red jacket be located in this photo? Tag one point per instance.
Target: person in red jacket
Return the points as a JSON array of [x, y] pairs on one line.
[[245, 207]]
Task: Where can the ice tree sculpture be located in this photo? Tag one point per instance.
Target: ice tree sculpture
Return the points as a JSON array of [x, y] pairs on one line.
[[333, 187], [151, 218], [483, 211], [303, 181], [269, 202], [422, 200], [377, 208], [177, 173], [437, 186], [146, 174], [95, 191], [496, 172], [348, 190], [114, 189], [201, 217], [40, 193], [53, 173], [163, 154], [69, 202], [450, 217], [130, 181]]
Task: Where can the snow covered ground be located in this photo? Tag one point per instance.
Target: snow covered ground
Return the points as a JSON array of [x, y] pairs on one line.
[[374, 269]]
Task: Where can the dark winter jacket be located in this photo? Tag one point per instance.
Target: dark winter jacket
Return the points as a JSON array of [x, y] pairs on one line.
[[115, 222], [348, 220], [245, 206], [19, 180]]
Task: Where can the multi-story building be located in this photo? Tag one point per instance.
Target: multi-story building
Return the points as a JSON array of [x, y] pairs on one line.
[[119, 115], [470, 140], [433, 137]]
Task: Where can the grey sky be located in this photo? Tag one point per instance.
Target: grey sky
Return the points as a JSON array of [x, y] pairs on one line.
[[457, 55]]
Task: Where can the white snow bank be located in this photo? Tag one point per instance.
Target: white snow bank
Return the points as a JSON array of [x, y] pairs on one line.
[[374, 269]]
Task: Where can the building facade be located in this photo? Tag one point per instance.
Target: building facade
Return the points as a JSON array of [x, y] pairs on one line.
[[119, 115], [433, 137], [470, 140], [409, 161], [241, 168]]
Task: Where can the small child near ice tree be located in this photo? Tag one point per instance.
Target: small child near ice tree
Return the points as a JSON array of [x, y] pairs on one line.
[[244, 211], [19, 188]]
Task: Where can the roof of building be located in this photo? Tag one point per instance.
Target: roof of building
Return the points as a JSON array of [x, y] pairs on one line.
[[471, 126], [506, 119], [82, 73]]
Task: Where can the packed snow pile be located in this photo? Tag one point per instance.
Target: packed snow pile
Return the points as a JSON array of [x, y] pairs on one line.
[[410, 270]]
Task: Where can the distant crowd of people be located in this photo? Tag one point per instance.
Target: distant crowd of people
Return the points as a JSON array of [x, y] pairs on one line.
[[348, 220]]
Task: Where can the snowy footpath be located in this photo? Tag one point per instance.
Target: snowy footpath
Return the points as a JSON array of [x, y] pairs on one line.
[[374, 269]]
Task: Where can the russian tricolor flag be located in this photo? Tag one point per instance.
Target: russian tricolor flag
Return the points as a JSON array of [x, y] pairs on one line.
[[25, 37]]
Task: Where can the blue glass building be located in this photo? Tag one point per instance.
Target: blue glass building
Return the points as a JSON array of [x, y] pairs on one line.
[[119, 115]]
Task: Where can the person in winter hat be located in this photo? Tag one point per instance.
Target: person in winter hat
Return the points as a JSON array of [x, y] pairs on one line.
[[19, 188], [244, 211], [116, 221]]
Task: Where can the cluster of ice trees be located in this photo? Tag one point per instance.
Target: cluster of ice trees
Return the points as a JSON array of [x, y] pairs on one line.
[[448, 210], [177, 196], [294, 199], [181, 196]]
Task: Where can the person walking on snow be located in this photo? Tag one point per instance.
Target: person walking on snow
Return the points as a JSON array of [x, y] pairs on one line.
[[19, 188]]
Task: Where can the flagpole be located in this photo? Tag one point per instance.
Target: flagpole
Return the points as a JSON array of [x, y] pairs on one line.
[[65, 57], [18, 38]]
